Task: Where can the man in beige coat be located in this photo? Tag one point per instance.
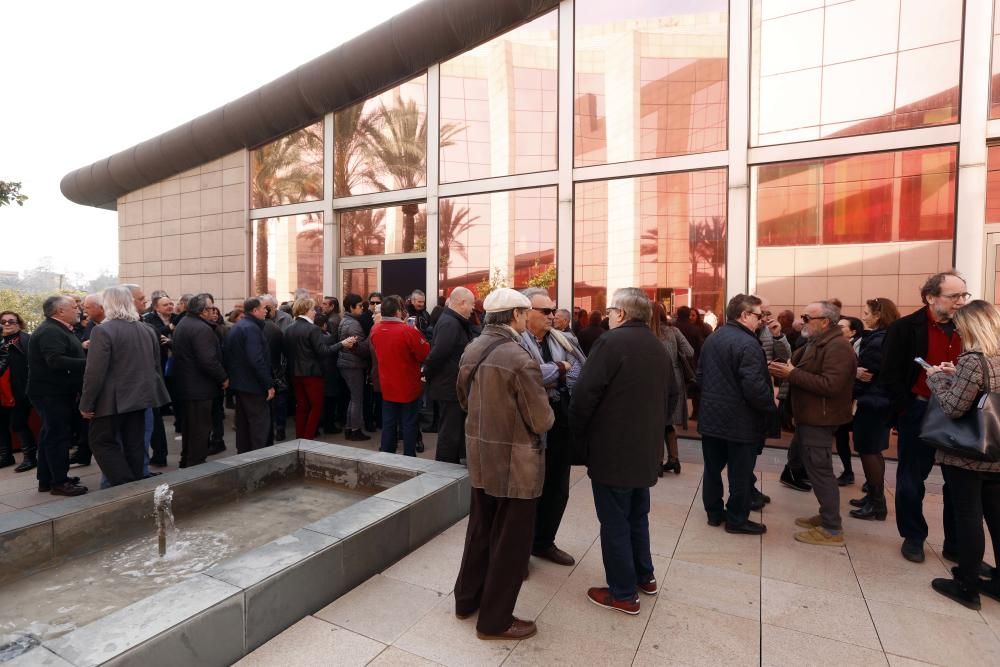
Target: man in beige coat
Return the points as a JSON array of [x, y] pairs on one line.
[[500, 387]]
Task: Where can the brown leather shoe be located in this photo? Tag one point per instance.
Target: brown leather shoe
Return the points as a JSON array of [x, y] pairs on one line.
[[518, 630], [68, 489], [556, 555]]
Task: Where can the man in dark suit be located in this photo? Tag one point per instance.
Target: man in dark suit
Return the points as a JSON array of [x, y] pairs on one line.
[[55, 376], [452, 334], [248, 362], [199, 376], [123, 379], [617, 416]]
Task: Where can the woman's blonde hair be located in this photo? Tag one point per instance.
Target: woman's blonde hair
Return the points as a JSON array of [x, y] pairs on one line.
[[118, 304], [303, 306], [978, 323]]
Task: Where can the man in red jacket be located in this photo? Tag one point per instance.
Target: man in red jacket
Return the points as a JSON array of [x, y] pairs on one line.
[[399, 349]]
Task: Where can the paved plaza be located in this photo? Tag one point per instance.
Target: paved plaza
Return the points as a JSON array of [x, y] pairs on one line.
[[724, 599]]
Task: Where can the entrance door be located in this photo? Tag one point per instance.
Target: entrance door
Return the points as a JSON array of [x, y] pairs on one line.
[[993, 268], [402, 276]]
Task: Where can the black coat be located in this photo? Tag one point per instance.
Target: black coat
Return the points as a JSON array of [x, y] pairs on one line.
[[161, 329], [451, 334], [905, 339], [620, 407], [276, 348], [17, 363], [55, 361], [588, 336], [870, 358], [305, 348], [198, 371], [737, 396], [248, 359]]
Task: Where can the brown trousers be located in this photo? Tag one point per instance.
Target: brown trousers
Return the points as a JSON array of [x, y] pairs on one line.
[[497, 549]]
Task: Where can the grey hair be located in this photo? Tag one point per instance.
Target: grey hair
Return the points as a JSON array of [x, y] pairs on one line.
[[268, 299], [53, 303], [634, 303], [534, 291], [565, 313], [461, 294], [94, 296], [418, 292], [118, 304], [197, 304], [830, 311], [130, 286]]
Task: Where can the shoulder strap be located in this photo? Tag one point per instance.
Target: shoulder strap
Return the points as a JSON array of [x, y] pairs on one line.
[[489, 350]]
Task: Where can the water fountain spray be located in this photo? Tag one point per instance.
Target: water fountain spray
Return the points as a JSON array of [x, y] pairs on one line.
[[162, 498]]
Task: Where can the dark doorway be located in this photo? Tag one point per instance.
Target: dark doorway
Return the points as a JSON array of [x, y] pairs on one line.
[[402, 276]]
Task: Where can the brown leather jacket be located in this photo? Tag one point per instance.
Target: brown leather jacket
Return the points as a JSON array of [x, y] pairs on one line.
[[823, 380], [508, 411]]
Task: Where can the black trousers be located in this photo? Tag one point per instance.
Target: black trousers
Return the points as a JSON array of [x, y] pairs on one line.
[[158, 441], [738, 458], [497, 549], [118, 444], [915, 462], [56, 437], [196, 426], [218, 419], [253, 421], [975, 496], [555, 492], [81, 436], [842, 436], [15, 420], [451, 432]]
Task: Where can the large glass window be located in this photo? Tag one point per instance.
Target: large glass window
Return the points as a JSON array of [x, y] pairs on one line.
[[650, 79], [381, 144], [288, 170], [387, 230], [995, 66], [993, 184], [500, 238], [855, 228], [288, 254], [854, 67], [665, 234], [498, 105]]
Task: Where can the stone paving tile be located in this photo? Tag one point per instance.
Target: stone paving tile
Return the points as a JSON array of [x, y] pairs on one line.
[[935, 638], [695, 636], [782, 646], [717, 589], [817, 612], [554, 645], [442, 637], [382, 608], [396, 657], [314, 642]]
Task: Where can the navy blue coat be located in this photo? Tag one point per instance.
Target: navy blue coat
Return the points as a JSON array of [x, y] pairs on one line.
[[737, 396], [248, 357]]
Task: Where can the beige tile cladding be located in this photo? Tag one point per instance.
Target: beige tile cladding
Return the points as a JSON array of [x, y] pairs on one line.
[[187, 233]]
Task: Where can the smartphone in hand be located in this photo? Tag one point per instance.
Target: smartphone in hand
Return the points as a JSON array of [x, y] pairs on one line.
[[923, 364]]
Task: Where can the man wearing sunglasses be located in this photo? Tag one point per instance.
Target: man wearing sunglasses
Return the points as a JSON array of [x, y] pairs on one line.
[[930, 334], [821, 376], [561, 362]]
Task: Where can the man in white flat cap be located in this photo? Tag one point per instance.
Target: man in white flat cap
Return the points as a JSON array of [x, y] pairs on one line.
[[500, 387]]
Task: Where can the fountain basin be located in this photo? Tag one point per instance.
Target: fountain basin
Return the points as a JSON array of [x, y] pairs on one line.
[[227, 610]]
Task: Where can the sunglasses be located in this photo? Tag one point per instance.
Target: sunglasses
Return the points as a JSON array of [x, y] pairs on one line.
[[8, 322], [545, 311], [808, 318], [374, 303]]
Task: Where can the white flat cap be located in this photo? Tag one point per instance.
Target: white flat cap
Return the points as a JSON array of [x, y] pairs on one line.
[[505, 298]]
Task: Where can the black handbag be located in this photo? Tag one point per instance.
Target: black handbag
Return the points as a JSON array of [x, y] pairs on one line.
[[975, 435]]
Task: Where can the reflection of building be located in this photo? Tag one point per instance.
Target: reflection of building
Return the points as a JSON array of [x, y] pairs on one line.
[[694, 149]]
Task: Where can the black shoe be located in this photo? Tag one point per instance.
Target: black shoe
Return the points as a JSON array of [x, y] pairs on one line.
[[958, 592], [989, 587], [874, 510], [158, 463], [859, 502], [79, 460], [7, 460], [985, 571], [716, 522], [758, 500], [430, 429], [747, 528], [913, 551], [216, 448], [26, 465], [792, 481], [358, 435], [674, 465], [846, 479], [67, 489], [420, 446]]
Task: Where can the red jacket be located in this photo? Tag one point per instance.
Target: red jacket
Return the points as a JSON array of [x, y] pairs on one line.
[[400, 349]]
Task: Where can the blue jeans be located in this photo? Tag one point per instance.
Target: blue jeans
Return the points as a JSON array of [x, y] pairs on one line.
[[624, 517], [405, 415]]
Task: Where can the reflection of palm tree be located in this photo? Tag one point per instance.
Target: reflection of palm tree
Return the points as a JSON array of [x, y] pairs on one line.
[[363, 232], [284, 171], [452, 222], [708, 245]]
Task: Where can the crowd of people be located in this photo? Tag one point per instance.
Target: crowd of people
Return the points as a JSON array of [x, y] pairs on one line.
[[520, 391]]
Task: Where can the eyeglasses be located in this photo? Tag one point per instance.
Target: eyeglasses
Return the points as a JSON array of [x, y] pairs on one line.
[[8, 322], [374, 303], [765, 313], [757, 315], [607, 311], [545, 311], [964, 296], [807, 318]]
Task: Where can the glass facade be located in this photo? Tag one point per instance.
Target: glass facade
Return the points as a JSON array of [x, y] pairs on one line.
[[381, 144], [288, 254], [650, 79], [855, 228], [387, 230], [504, 238], [995, 66], [854, 67], [288, 170], [665, 234], [498, 105]]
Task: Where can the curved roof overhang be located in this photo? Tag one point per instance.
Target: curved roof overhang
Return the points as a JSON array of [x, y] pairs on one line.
[[394, 51]]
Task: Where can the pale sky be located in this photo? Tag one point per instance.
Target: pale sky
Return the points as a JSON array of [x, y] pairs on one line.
[[84, 80]]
